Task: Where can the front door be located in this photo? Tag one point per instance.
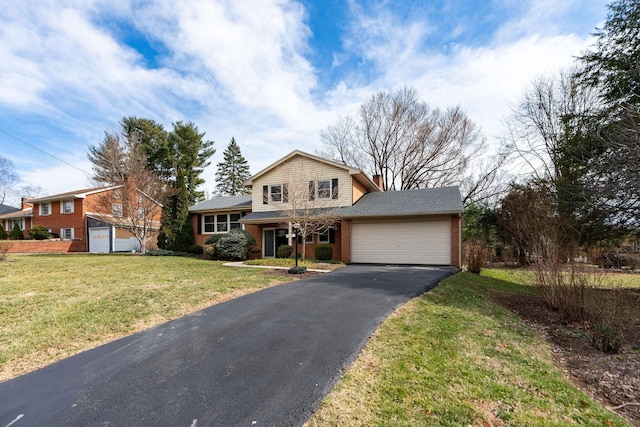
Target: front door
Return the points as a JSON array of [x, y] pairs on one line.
[[273, 238]]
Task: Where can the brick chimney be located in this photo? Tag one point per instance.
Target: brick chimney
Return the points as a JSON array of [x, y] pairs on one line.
[[377, 180], [26, 202]]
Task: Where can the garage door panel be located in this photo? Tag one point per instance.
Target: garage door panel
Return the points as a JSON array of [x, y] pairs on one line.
[[99, 240], [427, 242]]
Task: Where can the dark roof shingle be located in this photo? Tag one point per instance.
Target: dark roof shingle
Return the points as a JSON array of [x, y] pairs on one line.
[[225, 202]]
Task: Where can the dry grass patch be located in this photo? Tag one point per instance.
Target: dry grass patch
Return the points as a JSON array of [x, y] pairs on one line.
[[53, 306]]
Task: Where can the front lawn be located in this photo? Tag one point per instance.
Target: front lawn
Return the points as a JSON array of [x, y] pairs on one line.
[[53, 306], [452, 357]]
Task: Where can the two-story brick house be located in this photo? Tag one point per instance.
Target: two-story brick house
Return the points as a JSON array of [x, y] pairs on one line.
[[400, 227], [86, 219]]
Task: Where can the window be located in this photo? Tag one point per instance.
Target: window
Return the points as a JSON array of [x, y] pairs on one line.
[[209, 223], [12, 223], [45, 209], [323, 237], [234, 221], [66, 206], [276, 193], [116, 194], [140, 213], [116, 209], [221, 223], [66, 233], [309, 238], [140, 199], [324, 189]]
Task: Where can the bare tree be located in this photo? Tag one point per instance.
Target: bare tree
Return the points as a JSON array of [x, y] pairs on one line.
[[411, 145], [134, 199], [8, 178], [308, 204]]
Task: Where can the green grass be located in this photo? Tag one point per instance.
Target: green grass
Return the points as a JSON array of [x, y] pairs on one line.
[[453, 358], [52, 306]]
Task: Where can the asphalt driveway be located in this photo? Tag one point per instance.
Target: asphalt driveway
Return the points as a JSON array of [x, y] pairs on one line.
[[263, 359]]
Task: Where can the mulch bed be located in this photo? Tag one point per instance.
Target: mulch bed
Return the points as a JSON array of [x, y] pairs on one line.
[[611, 379]]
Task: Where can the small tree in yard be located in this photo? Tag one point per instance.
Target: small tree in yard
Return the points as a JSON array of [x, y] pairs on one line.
[[308, 202], [39, 232], [133, 199], [3, 233]]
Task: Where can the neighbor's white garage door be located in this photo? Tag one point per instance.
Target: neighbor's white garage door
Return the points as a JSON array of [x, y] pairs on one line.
[[426, 242], [99, 240]]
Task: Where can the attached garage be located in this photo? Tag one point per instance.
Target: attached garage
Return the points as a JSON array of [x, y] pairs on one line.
[[406, 242], [99, 240]]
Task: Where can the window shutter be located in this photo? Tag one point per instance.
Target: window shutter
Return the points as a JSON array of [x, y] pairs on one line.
[[332, 235], [265, 194], [285, 193], [312, 190], [334, 188], [199, 223]]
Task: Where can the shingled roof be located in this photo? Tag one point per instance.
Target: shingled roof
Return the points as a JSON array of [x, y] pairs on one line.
[[424, 201], [4, 209], [221, 203]]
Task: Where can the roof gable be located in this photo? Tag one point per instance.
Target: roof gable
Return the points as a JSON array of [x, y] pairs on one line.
[[361, 176]]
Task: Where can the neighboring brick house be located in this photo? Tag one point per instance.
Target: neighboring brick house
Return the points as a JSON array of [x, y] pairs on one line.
[[83, 219], [10, 216], [398, 227]]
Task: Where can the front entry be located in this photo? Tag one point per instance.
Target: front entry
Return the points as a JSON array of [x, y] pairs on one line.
[[272, 239]]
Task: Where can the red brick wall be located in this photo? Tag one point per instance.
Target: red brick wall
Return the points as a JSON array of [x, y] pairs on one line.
[[256, 250], [455, 241], [46, 246]]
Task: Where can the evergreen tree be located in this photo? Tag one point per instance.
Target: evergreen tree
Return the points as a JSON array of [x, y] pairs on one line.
[[16, 233], [3, 233], [232, 172]]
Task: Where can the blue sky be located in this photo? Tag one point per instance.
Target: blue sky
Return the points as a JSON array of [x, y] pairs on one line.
[[272, 73]]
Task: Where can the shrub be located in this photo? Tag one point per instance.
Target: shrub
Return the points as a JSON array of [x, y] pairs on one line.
[[285, 251], [3, 233], [16, 233], [297, 270], [4, 250], [234, 245], [474, 255], [323, 252], [606, 337], [212, 240], [195, 249], [39, 232]]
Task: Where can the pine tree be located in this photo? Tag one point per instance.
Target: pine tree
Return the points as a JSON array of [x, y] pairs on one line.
[[232, 172]]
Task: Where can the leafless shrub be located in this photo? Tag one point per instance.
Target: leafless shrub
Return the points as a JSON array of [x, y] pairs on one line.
[[4, 250], [475, 255]]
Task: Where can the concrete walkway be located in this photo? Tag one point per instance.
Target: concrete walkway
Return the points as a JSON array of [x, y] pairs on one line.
[[265, 359]]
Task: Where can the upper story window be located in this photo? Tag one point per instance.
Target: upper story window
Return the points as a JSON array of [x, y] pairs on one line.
[[323, 189], [277, 193], [45, 209], [66, 206], [116, 209]]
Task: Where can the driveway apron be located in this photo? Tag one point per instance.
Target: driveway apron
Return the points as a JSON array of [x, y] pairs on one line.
[[264, 359]]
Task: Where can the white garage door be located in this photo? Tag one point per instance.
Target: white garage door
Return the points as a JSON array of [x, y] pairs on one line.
[[426, 242], [99, 240]]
